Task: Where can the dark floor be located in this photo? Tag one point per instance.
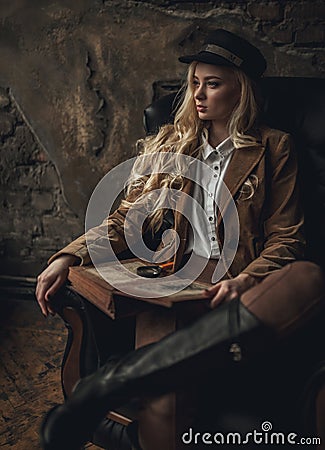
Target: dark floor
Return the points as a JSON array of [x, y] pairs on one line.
[[31, 349]]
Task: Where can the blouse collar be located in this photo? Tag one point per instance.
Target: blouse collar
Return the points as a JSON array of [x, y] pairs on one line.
[[222, 150]]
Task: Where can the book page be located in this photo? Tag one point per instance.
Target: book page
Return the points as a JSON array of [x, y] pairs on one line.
[[172, 289], [116, 272], [131, 285]]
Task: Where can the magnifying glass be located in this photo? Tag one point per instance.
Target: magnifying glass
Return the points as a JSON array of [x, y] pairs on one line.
[[153, 271]]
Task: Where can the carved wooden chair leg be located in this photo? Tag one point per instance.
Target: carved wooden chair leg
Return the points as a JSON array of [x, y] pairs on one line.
[[82, 357]]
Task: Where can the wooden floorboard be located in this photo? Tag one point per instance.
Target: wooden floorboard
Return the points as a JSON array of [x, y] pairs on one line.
[[31, 350]]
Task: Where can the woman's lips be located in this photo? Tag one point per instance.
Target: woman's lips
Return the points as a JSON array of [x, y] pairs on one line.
[[201, 108]]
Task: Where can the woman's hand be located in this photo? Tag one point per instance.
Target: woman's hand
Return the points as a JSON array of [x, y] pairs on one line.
[[51, 279], [227, 290]]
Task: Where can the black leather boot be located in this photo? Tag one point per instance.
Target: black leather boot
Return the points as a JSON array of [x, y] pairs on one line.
[[222, 337]]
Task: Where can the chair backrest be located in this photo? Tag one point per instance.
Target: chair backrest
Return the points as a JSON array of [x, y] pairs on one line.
[[295, 105]]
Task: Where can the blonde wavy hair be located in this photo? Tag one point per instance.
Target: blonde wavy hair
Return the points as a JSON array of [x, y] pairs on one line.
[[185, 137]]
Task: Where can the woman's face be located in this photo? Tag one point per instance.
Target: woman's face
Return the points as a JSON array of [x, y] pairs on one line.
[[216, 92]]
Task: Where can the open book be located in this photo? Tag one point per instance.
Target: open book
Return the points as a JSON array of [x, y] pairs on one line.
[[88, 282]]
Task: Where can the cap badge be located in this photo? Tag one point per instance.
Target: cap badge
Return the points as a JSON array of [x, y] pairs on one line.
[[212, 48]]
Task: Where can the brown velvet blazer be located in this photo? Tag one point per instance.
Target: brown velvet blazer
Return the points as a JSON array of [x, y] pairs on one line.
[[271, 221]]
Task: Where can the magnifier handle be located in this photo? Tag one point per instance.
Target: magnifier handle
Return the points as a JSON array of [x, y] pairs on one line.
[[167, 265]]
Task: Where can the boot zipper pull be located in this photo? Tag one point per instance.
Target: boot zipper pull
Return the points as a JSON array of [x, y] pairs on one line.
[[236, 352]]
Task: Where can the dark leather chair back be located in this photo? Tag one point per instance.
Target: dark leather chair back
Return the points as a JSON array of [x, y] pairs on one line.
[[295, 105]]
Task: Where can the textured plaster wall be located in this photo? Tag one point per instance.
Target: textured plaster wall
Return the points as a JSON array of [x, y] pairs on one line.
[[76, 76]]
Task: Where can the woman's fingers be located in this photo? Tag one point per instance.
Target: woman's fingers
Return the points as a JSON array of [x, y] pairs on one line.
[[53, 289], [223, 291], [212, 291], [228, 290], [55, 286], [222, 297], [48, 283], [40, 292]]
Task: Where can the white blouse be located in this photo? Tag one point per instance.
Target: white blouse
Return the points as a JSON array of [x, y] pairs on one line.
[[206, 194]]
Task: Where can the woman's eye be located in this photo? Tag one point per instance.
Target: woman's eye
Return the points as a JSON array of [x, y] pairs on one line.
[[196, 83], [213, 84]]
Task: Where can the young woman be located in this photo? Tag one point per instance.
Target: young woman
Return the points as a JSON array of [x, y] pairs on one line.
[[217, 122]]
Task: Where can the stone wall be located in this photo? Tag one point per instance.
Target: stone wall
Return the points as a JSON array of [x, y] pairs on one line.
[[35, 219], [76, 76]]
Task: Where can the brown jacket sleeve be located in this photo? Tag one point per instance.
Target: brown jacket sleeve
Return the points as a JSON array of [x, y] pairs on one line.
[[283, 218], [112, 229]]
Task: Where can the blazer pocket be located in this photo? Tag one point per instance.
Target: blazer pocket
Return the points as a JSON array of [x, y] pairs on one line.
[[248, 188]]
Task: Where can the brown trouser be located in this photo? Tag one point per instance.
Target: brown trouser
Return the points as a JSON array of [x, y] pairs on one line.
[[283, 301]]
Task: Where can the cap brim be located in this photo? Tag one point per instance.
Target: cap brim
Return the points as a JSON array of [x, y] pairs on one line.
[[207, 58]]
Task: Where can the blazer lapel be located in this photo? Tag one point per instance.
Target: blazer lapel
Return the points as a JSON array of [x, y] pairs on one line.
[[181, 225], [240, 167]]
